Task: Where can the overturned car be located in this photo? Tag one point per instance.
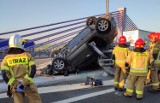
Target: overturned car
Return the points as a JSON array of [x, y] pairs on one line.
[[87, 47]]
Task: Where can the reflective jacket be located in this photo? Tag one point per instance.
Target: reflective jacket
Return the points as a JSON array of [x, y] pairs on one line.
[[156, 53], [17, 66], [151, 46], [139, 62], [121, 54]]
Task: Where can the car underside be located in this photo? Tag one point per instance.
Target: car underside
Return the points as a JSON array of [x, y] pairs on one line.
[[89, 46]]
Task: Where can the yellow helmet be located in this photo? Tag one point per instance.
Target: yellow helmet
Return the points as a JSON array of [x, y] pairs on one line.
[[15, 41]]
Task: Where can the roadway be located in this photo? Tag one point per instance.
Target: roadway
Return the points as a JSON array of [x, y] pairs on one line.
[[60, 89]]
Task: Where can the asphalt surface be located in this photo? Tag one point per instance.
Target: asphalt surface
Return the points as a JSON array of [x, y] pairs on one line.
[[71, 89]]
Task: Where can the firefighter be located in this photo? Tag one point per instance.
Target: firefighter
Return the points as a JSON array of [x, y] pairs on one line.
[[158, 69], [18, 69], [120, 52], [138, 60], [154, 49], [151, 38]]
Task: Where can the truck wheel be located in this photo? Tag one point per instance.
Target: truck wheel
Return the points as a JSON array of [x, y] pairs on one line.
[[103, 26], [59, 64], [91, 22]]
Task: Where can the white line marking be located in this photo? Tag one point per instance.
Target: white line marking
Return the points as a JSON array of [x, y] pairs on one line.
[[62, 88], [85, 96], [42, 65]]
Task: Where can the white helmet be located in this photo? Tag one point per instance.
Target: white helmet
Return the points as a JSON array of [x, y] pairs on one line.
[[15, 41]]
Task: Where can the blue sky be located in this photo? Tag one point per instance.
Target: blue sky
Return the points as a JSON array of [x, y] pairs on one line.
[[20, 14]]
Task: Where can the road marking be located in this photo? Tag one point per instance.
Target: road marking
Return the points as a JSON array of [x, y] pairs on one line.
[[74, 99], [62, 88], [68, 87], [42, 65]]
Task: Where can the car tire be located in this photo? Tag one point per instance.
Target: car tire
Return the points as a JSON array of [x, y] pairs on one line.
[[91, 22], [59, 64], [49, 70], [103, 26]]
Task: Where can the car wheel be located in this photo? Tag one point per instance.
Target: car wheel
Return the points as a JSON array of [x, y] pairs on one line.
[[91, 22], [59, 64], [103, 26]]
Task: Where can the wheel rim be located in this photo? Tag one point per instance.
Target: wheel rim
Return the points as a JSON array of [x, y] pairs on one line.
[[91, 21], [103, 25], [59, 64]]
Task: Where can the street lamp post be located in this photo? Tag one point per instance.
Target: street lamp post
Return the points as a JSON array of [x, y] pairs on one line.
[[107, 7]]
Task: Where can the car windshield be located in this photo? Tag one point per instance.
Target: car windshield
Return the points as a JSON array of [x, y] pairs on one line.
[[78, 38]]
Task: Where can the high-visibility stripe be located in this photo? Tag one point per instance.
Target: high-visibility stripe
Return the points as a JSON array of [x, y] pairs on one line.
[[5, 68], [31, 63], [155, 84], [12, 74], [139, 92], [157, 62], [28, 78], [17, 60], [116, 82], [11, 81], [27, 70], [139, 71], [14, 45], [129, 90], [155, 48], [153, 69]]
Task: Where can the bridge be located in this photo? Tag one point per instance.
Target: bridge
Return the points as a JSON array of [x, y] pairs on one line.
[[55, 35]]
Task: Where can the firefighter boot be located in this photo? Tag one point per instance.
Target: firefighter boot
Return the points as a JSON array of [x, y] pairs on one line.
[[127, 95]]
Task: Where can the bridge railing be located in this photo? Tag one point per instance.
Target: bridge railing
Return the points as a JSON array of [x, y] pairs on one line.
[[55, 33]]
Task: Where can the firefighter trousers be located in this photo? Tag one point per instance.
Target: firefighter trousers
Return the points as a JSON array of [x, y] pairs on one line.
[[139, 82], [31, 93], [119, 78], [154, 79]]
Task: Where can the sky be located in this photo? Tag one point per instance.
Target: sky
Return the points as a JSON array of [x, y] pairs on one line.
[[21, 14]]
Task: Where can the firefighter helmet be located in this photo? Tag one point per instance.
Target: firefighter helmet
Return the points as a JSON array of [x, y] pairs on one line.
[[122, 40], [139, 43], [153, 37], [158, 36], [15, 41]]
